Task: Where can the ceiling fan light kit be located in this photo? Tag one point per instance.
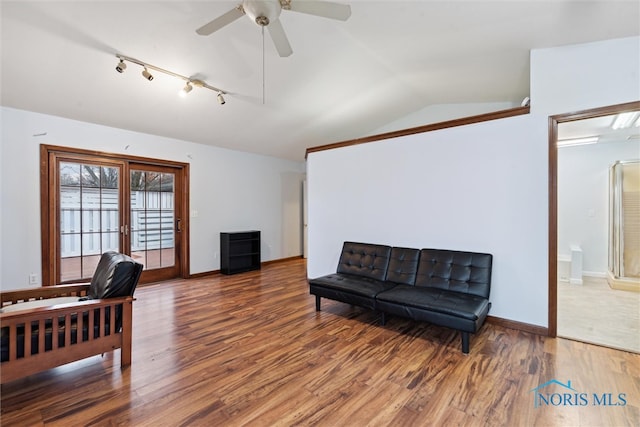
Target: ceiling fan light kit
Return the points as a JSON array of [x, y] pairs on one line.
[[190, 82], [266, 13]]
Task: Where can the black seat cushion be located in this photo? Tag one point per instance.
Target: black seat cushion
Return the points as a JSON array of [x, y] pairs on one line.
[[467, 306], [352, 284]]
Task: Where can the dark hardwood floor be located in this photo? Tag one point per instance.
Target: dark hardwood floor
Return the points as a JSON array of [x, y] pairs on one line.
[[250, 349]]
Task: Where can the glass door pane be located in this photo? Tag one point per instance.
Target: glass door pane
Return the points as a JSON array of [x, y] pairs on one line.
[[153, 218], [102, 202], [89, 212], [630, 232]]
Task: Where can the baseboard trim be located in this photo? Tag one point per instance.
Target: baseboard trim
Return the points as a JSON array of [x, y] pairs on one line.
[[520, 326], [204, 274], [276, 261], [216, 272], [597, 274]]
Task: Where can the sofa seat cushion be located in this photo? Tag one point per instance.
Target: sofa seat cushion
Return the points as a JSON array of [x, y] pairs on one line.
[[466, 306], [352, 284], [28, 305]]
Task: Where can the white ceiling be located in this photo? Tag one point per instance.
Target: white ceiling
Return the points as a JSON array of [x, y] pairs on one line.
[[343, 81], [601, 127]]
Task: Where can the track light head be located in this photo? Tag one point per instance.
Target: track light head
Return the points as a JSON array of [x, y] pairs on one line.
[[221, 100], [186, 89], [146, 74], [121, 66]]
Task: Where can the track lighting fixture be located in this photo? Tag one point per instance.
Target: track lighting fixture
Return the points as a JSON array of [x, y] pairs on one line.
[[121, 66], [190, 81], [186, 89], [146, 74]]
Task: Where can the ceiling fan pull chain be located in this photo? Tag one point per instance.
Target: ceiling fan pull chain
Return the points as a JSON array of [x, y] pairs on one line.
[[262, 65]]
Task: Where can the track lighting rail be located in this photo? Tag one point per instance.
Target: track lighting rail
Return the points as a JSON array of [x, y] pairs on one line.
[[121, 67]]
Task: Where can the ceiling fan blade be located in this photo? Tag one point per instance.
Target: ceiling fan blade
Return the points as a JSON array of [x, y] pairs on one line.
[[221, 21], [279, 38], [325, 9]]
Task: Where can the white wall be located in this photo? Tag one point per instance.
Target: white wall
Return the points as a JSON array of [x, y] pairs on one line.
[[583, 200], [442, 113], [1, 192], [481, 187], [580, 77], [230, 190], [467, 188]]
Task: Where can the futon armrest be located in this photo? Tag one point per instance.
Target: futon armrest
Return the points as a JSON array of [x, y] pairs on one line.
[[60, 310], [44, 292]]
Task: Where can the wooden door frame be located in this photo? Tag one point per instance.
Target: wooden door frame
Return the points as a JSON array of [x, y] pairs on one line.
[[553, 196], [48, 190]]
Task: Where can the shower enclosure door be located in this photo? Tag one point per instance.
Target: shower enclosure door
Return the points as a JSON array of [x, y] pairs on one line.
[[624, 225]]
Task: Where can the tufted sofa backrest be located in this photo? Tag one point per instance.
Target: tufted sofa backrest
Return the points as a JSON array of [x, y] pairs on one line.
[[364, 259], [403, 265], [467, 272]]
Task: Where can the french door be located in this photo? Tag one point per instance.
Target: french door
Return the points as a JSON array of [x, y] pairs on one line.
[[98, 203], [89, 215], [152, 229]]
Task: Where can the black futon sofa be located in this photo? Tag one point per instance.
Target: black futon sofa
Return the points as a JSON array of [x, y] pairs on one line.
[[444, 287]]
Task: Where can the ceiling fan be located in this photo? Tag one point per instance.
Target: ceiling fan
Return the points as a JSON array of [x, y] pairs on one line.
[[265, 13]]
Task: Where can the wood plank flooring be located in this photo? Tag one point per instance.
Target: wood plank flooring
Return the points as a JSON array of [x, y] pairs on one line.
[[250, 350]]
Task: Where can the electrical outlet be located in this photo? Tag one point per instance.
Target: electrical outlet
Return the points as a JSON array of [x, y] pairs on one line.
[[33, 279]]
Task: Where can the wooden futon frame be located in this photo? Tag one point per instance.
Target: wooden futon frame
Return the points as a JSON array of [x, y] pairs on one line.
[[61, 333]]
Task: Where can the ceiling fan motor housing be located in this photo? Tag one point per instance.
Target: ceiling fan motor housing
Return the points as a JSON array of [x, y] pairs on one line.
[[266, 13], [262, 11]]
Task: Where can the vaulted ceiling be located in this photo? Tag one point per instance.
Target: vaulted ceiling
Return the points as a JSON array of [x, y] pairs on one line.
[[344, 80]]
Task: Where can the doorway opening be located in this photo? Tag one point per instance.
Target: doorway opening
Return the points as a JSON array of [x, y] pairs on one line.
[[582, 304]]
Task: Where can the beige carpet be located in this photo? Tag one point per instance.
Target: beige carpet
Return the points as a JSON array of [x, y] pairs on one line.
[[595, 313]]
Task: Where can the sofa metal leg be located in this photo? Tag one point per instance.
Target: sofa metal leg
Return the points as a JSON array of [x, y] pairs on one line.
[[317, 303], [465, 342]]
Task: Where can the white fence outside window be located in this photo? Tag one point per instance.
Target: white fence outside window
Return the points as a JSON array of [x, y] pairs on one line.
[[93, 227]]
